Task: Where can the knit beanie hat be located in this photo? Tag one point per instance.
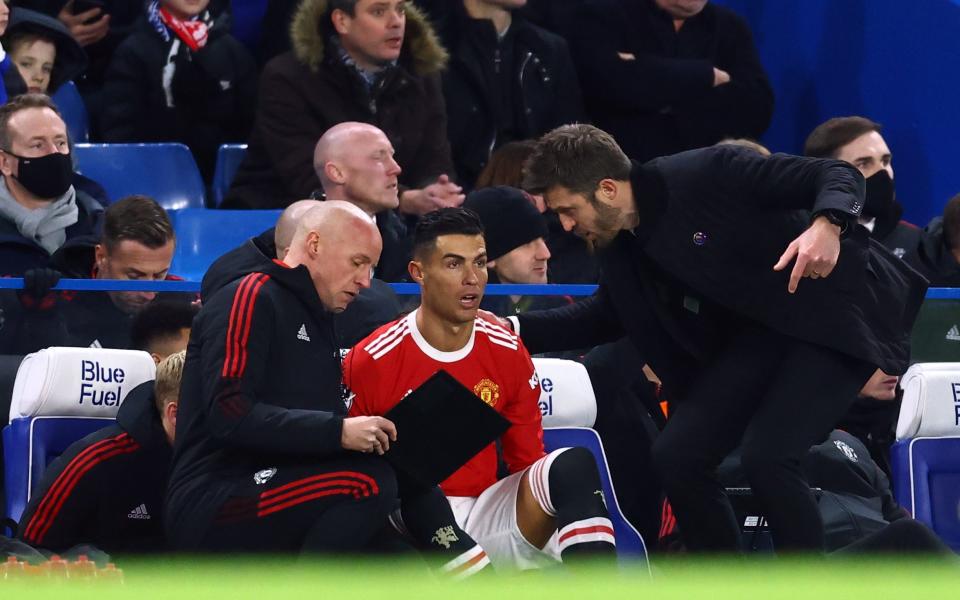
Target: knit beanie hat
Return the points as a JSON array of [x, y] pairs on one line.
[[509, 219]]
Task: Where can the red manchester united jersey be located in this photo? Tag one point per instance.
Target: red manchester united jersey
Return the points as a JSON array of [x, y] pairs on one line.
[[396, 359]]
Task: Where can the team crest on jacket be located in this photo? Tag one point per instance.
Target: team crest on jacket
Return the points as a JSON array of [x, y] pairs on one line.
[[488, 391], [261, 477], [846, 449]]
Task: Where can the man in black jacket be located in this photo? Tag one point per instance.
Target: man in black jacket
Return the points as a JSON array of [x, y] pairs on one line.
[[108, 488], [696, 275], [664, 76], [937, 252], [508, 79], [266, 459]]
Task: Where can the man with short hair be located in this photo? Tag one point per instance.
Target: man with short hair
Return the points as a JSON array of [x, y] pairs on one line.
[[376, 61], [108, 488], [39, 207], [136, 244], [550, 506], [857, 140], [266, 458], [355, 162], [162, 328], [702, 296]]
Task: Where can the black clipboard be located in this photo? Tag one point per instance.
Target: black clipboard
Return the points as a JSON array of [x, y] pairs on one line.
[[441, 425]]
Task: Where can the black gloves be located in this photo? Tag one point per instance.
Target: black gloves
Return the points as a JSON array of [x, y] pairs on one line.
[[37, 285]]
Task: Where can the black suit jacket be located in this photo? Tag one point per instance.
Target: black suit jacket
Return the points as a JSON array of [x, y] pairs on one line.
[[713, 222]]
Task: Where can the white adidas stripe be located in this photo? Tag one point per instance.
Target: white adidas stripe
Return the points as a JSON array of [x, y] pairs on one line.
[[384, 337], [493, 331], [396, 341], [497, 328], [498, 342]]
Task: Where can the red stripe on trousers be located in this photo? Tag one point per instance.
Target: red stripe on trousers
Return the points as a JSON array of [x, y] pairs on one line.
[[302, 499], [359, 489], [583, 530], [333, 474], [122, 444]]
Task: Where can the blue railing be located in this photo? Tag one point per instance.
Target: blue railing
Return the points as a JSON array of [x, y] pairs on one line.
[[500, 289]]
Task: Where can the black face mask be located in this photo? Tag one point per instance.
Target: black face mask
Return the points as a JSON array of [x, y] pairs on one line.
[[47, 176], [881, 200]]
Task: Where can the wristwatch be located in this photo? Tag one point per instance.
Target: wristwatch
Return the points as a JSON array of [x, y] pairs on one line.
[[836, 217]]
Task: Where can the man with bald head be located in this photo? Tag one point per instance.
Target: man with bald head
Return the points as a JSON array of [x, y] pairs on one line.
[[265, 457], [355, 163]]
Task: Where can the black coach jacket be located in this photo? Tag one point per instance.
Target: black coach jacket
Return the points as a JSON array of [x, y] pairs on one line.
[[713, 222]]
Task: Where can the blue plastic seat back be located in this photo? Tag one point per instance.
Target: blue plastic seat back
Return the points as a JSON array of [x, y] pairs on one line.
[[926, 481], [74, 111], [165, 172], [30, 445], [203, 235], [229, 157], [630, 544]]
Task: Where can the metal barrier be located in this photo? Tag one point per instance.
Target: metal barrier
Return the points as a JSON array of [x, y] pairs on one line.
[[496, 289]]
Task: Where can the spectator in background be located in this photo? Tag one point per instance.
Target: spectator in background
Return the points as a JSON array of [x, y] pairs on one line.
[[937, 255], [508, 79], [98, 27], [572, 261], [39, 207], [872, 418], [137, 243], [375, 61], [107, 489], [11, 83], [664, 76], [355, 163], [162, 328], [45, 54], [181, 77], [516, 251], [857, 140]]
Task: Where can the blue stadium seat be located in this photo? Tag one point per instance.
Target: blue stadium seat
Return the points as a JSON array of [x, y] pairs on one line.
[[59, 397], [30, 445], [203, 235], [927, 483], [229, 157], [925, 460], [74, 111], [630, 545], [165, 172]]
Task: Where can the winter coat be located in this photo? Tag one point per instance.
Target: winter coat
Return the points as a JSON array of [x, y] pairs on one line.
[[213, 93], [306, 91], [932, 257]]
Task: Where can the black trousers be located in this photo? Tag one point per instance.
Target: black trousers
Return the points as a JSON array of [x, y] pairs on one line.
[[774, 395], [333, 506]]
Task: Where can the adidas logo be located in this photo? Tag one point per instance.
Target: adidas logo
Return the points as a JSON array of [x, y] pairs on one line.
[[96, 344], [302, 334], [139, 512], [954, 334]]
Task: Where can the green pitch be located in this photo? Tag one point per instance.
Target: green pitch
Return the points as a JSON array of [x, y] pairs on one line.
[[389, 579]]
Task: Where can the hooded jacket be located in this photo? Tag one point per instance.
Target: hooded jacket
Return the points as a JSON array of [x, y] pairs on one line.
[[373, 306], [213, 92], [932, 257], [261, 385], [108, 488], [71, 60], [306, 91]]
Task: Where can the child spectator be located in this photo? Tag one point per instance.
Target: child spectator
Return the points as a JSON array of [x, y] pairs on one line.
[[181, 77], [42, 49]]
